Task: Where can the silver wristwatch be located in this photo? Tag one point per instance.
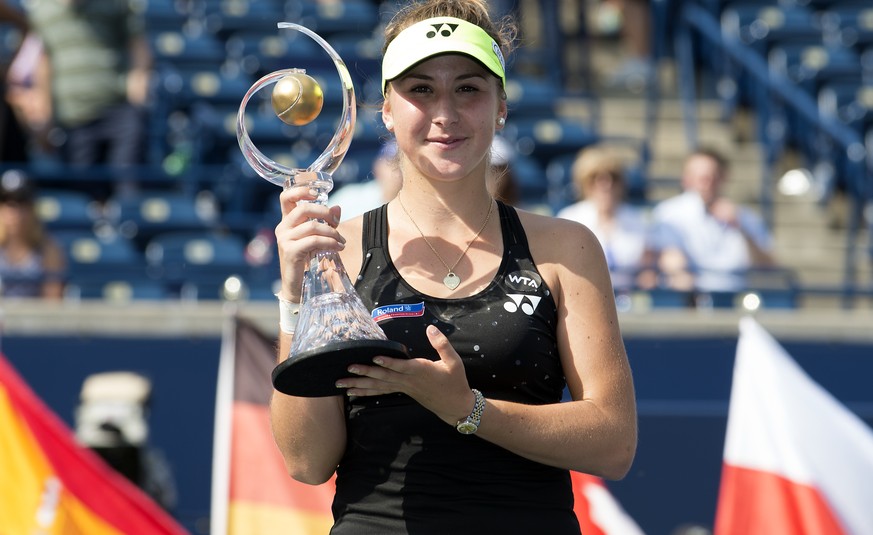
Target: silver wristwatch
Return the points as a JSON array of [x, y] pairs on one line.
[[470, 424]]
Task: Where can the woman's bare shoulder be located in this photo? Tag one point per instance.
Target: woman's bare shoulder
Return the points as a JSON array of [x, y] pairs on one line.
[[554, 236]]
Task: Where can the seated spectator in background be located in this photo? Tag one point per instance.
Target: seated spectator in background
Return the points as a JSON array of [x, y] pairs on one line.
[[360, 197], [31, 263], [638, 70], [621, 228], [720, 239], [13, 139], [99, 64]]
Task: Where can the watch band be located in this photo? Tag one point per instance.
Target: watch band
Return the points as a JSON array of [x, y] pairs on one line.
[[470, 424]]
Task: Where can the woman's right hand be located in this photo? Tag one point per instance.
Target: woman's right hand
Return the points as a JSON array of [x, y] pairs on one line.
[[306, 227]]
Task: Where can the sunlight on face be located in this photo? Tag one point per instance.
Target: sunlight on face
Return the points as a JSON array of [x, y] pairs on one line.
[[444, 114]]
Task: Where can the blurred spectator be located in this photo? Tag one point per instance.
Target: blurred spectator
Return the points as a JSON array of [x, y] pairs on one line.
[[637, 70], [13, 139], [621, 228], [721, 240], [112, 420], [31, 263], [360, 197], [99, 65]]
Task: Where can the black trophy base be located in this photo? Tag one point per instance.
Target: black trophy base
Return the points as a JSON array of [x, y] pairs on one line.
[[314, 373]]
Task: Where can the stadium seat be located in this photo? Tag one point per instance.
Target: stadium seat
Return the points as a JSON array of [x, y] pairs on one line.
[[329, 18], [807, 66], [175, 48], [118, 289], [528, 96], [196, 265], [227, 17], [99, 262], [757, 25], [65, 209], [544, 139], [146, 214], [164, 15]]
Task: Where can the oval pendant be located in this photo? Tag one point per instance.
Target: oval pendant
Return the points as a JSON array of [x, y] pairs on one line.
[[451, 281]]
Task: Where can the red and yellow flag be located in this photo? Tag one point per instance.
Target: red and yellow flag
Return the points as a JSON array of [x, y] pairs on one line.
[[252, 491], [51, 485]]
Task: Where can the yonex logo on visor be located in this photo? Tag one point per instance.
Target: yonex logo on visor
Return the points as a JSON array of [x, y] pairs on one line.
[[441, 35], [443, 29]]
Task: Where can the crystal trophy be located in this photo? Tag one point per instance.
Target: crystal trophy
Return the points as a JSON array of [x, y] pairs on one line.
[[334, 329]]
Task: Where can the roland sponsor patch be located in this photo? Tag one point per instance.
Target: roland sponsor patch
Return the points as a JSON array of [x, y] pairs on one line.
[[387, 312]]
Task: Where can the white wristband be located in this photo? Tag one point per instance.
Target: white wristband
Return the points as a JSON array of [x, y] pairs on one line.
[[289, 313]]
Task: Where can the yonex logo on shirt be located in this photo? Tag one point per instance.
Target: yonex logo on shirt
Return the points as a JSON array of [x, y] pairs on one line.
[[526, 303]]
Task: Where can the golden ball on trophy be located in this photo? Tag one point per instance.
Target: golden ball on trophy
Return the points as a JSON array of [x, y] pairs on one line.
[[297, 99]]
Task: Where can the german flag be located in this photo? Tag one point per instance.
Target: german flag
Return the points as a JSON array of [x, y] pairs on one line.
[[252, 491], [51, 485]]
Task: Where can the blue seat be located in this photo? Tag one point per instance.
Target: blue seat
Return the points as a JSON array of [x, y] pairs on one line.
[[544, 139], [808, 66], [329, 18], [65, 209], [164, 15], [848, 24], [105, 251], [758, 26], [185, 87], [196, 264], [178, 49], [146, 214], [95, 259], [528, 96], [120, 288], [225, 18], [260, 52]]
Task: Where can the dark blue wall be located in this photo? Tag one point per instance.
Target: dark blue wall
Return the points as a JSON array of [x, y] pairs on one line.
[[683, 386]]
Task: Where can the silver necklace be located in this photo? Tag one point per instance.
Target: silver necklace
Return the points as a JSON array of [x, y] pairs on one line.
[[451, 280]]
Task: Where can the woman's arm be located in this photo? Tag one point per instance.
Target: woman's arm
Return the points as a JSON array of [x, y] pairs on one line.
[[310, 432]]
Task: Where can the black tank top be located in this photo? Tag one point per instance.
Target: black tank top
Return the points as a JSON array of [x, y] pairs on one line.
[[406, 471]]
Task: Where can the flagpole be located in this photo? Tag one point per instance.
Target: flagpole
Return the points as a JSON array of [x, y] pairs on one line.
[[223, 416]]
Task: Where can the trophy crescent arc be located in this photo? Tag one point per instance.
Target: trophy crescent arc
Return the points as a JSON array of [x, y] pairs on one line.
[[334, 329]]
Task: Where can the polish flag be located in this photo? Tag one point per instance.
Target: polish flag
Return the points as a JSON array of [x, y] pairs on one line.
[[796, 461], [599, 513]]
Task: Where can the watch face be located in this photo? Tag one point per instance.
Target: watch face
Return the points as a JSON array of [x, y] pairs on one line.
[[467, 428]]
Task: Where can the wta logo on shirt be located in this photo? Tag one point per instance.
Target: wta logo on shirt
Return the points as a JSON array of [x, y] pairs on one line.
[[526, 285], [387, 312]]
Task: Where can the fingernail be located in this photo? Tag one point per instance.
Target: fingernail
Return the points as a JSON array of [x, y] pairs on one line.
[[340, 384], [432, 330], [379, 360], [353, 369]]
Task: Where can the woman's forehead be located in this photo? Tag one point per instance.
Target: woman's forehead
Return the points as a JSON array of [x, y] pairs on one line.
[[450, 65]]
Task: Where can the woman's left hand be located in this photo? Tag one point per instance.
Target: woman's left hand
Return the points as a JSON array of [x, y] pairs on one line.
[[440, 386]]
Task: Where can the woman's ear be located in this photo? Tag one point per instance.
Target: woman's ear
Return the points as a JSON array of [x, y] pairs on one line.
[[502, 110], [387, 119]]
